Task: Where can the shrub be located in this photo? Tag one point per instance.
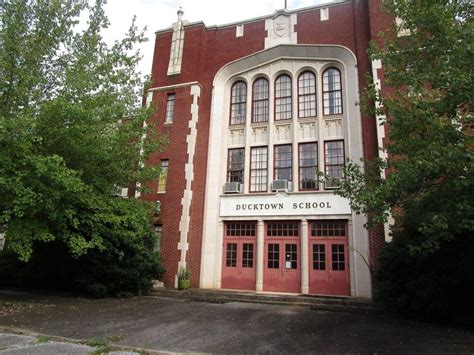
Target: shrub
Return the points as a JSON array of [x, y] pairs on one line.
[[435, 285]]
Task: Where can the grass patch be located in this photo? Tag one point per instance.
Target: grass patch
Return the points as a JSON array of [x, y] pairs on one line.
[[100, 345], [43, 339]]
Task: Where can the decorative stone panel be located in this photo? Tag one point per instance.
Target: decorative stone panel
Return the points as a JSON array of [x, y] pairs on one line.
[[308, 131], [237, 136], [283, 132], [333, 127], [259, 135]]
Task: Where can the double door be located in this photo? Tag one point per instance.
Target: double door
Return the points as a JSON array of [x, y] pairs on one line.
[[239, 264], [282, 261], [328, 259]]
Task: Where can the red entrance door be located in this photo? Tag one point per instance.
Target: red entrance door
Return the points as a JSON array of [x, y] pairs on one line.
[[238, 262], [329, 258], [282, 270]]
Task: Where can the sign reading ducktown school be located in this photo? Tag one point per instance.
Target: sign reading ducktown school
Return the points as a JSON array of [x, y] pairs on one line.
[[283, 205]]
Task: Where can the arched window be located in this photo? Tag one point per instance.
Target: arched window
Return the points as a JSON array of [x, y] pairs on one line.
[[307, 95], [283, 98], [332, 92], [238, 109], [260, 100]]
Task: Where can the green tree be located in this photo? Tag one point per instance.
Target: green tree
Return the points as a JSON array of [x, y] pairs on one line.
[[71, 128], [429, 185]]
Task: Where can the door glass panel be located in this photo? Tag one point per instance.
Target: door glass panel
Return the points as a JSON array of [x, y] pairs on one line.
[[338, 257], [247, 255], [273, 256], [319, 257], [291, 256], [231, 255]]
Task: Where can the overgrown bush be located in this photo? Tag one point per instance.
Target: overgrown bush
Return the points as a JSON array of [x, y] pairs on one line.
[[123, 263], [433, 286]]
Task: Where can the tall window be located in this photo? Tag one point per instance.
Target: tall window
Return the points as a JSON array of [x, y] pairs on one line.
[[334, 162], [308, 166], [170, 108], [260, 100], [283, 162], [283, 98], [238, 109], [307, 95], [332, 92], [163, 176], [159, 236], [258, 169], [235, 165]]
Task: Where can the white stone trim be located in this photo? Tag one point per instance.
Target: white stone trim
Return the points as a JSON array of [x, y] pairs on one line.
[[270, 63], [380, 119], [324, 14], [189, 176], [281, 30], [177, 44], [173, 87]]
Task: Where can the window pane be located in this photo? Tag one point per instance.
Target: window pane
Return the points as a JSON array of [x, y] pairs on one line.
[[334, 162], [283, 99], [169, 108], [332, 92], [163, 175], [235, 165], [260, 100], [238, 109], [307, 95], [283, 162], [258, 169], [308, 166]]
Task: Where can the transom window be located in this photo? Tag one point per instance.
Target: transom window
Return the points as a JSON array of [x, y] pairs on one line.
[[307, 95], [334, 162], [238, 109], [308, 166], [283, 162], [258, 169], [260, 95], [283, 229], [240, 229], [283, 92], [235, 165], [332, 92], [328, 228]]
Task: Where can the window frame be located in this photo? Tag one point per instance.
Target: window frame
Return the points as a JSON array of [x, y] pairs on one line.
[[275, 168], [250, 172], [170, 107], [300, 166], [267, 100], [331, 91], [276, 98], [326, 164], [307, 95], [232, 103]]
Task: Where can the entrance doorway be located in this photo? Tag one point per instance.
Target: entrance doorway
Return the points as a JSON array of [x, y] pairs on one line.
[[282, 266], [329, 258], [238, 262]]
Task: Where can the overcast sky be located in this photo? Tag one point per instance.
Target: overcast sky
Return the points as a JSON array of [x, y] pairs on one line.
[[159, 14]]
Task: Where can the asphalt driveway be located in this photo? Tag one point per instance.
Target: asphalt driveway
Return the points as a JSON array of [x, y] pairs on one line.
[[182, 326]]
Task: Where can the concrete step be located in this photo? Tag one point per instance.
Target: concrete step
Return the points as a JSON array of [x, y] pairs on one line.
[[322, 303]]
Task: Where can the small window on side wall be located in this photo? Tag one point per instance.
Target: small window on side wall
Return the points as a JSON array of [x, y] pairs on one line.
[[170, 100], [163, 175]]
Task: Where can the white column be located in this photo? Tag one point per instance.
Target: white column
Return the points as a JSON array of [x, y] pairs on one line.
[[304, 257], [260, 254], [220, 255]]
